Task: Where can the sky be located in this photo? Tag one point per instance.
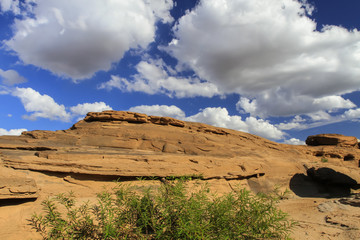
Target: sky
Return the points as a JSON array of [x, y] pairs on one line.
[[279, 69]]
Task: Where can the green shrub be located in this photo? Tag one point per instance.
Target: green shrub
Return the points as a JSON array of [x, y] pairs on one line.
[[324, 160], [170, 212]]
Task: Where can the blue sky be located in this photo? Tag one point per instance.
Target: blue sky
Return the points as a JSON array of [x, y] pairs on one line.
[[280, 69]]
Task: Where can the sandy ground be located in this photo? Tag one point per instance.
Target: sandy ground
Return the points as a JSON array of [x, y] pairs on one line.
[[318, 218]]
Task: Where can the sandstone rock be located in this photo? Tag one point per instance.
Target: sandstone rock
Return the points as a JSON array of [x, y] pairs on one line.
[[16, 186], [332, 139], [117, 116], [335, 175], [124, 145], [352, 201], [166, 121], [127, 144]]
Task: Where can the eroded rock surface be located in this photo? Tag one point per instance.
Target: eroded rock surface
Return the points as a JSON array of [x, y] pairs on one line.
[[125, 145], [16, 185], [332, 139]]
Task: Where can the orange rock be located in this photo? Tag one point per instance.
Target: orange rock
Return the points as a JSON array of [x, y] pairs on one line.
[[332, 139], [125, 145]]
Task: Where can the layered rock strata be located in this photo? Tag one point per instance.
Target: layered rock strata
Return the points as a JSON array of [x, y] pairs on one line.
[[125, 146]]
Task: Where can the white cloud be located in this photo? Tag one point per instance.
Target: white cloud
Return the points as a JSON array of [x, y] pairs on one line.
[[282, 103], [44, 106], [84, 108], [270, 52], [11, 77], [40, 106], [78, 38], [12, 132], [352, 114], [296, 123], [294, 141], [220, 117], [10, 5], [319, 116], [263, 128], [4, 90], [155, 77], [160, 110]]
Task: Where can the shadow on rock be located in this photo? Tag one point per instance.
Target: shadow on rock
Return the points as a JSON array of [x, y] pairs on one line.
[[322, 182], [14, 202]]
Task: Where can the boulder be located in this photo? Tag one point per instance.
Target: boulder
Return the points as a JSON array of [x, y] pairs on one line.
[[332, 139]]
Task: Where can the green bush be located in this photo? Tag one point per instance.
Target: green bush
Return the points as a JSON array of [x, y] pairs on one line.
[[170, 212], [324, 160]]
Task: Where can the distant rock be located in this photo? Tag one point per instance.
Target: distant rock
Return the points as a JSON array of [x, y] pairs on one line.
[[332, 139], [131, 117]]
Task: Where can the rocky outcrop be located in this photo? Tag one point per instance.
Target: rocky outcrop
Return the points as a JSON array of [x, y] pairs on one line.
[[131, 117], [130, 145], [125, 146], [332, 139], [17, 186]]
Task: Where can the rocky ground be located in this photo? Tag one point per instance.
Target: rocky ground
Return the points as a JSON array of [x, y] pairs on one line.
[[323, 177]]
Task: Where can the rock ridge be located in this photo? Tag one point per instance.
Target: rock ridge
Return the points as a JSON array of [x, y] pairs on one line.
[[125, 145]]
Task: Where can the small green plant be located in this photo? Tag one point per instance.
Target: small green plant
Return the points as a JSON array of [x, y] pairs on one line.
[[280, 195], [324, 160], [170, 212], [185, 177]]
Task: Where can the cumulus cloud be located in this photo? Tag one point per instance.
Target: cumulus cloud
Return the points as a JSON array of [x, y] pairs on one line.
[[155, 77], [319, 116], [160, 110], [84, 108], [282, 103], [44, 106], [276, 59], [11, 77], [296, 123], [78, 38], [294, 141], [220, 117], [12, 132], [40, 106], [352, 114], [10, 5]]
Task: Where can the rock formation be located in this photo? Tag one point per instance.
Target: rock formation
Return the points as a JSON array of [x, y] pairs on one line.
[[332, 139], [125, 146]]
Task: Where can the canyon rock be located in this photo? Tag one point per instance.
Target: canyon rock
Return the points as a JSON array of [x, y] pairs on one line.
[[332, 139], [126, 146]]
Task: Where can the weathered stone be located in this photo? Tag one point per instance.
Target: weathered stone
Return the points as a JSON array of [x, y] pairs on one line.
[[335, 175], [17, 187], [332, 139], [117, 116], [352, 201], [124, 145], [166, 121]]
